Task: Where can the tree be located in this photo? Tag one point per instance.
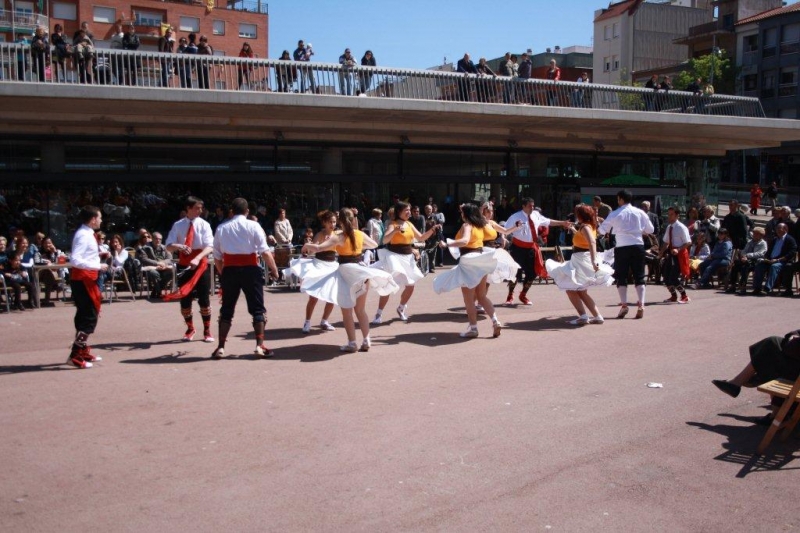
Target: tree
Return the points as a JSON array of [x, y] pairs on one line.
[[700, 67]]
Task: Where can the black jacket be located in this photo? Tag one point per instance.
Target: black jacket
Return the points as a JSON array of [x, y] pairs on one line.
[[788, 252]]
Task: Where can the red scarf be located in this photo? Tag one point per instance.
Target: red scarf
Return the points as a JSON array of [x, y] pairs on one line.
[[89, 279], [185, 261]]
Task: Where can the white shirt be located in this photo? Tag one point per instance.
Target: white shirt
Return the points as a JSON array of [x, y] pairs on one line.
[[628, 224], [85, 250], [239, 236], [203, 237], [680, 234], [524, 234]]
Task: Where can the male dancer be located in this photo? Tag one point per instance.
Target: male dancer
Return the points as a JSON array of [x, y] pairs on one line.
[[85, 259], [237, 245], [525, 247], [629, 224], [676, 249], [191, 237]]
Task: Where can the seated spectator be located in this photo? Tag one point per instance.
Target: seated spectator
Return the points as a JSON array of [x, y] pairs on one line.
[[28, 257], [771, 358], [155, 255], [720, 257], [118, 254], [83, 48], [51, 280], [698, 253], [651, 257], [746, 261], [781, 252], [709, 225], [3, 252], [16, 278], [105, 255]]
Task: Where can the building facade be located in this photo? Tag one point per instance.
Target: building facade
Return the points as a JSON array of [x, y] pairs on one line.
[[226, 26]]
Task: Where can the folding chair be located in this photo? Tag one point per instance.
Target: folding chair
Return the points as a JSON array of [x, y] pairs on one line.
[[118, 278], [789, 391], [6, 293], [556, 254]]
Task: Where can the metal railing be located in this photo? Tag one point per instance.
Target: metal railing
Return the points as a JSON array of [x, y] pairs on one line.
[[21, 21], [85, 65]]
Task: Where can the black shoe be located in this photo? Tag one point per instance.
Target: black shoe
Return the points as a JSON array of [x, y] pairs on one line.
[[786, 294], [727, 387], [757, 292]]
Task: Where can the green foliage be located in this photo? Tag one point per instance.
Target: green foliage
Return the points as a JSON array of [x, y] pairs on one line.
[[629, 102], [700, 67]]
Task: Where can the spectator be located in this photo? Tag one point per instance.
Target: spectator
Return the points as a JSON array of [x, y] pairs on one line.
[[654, 220], [709, 225], [3, 252], [525, 72], [720, 258], [770, 228], [651, 102], [154, 254], [578, 95], [18, 278], [465, 66], [303, 53], [49, 254], [365, 76], [781, 252], [130, 41], [695, 87], [347, 62], [283, 229], [204, 49], [417, 219], [698, 253], [745, 261], [755, 198], [118, 254], [40, 53], [189, 65], [285, 74], [507, 68], [603, 209], [62, 51], [485, 87], [736, 224], [772, 196], [245, 68], [166, 45], [553, 74], [83, 48]]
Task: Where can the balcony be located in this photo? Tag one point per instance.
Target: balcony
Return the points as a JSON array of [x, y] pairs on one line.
[[21, 22], [790, 48], [787, 90]]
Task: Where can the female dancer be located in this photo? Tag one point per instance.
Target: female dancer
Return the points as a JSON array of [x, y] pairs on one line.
[[583, 270], [347, 287], [321, 263], [506, 266], [398, 257], [472, 269]]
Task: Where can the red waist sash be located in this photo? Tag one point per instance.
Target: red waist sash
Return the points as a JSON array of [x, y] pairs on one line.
[[239, 260], [187, 288], [522, 244], [89, 279], [683, 262], [538, 260]]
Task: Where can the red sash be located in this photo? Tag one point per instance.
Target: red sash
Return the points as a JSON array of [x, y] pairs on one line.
[[89, 279], [683, 262], [239, 260], [187, 288], [538, 260]]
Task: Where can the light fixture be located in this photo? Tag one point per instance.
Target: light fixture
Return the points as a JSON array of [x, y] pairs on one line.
[[405, 140]]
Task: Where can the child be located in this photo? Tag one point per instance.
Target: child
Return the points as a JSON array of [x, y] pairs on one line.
[[16, 278]]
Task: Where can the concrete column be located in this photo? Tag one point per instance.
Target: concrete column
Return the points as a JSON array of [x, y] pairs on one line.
[[53, 157]]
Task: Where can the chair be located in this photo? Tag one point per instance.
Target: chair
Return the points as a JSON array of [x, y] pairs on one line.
[[722, 275], [555, 251], [789, 391], [118, 278], [6, 292]]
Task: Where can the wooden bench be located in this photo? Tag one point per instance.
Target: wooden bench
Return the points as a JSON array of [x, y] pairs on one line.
[[788, 391]]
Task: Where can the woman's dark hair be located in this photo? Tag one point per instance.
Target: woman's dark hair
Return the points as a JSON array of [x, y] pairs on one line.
[[399, 207], [285, 55], [325, 216], [58, 27], [472, 215], [346, 223], [586, 215], [118, 237]]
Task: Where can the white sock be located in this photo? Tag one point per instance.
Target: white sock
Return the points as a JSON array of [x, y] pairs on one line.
[[307, 323], [494, 318], [623, 294], [379, 312], [640, 290]]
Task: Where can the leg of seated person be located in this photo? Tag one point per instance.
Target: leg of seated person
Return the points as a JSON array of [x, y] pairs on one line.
[[758, 276], [772, 275]]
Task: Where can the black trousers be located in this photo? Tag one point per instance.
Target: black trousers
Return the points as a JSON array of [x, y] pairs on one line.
[[524, 257], [202, 290], [249, 280], [671, 271], [629, 260], [85, 311]]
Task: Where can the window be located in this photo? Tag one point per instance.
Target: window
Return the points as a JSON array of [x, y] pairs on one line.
[[219, 27], [750, 43], [23, 8], [788, 82], [607, 33], [606, 64], [750, 82], [727, 21], [615, 63], [770, 42], [189, 24], [107, 15], [616, 30], [62, 10], [149, 18], [248, 31], [768, 84], [790, 39]]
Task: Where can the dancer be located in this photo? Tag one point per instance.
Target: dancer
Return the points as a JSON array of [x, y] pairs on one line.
[[471, 271], [398, 257], [192, 238], [348, 286], [525, 248], [85, 258], [238, 244], [675, 251], [584, 269], [628, 224], [322, 263], [507, 268]]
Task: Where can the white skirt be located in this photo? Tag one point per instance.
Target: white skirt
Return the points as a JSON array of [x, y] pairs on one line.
[[344, 286], [304, 267], [402, 267], [469, 272], [578, 274], [506, 266]]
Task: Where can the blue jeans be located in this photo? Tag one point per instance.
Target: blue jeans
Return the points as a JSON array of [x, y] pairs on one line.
[[771, 271], [709, 267]]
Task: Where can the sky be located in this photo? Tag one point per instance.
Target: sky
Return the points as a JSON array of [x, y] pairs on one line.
[[420, 34]]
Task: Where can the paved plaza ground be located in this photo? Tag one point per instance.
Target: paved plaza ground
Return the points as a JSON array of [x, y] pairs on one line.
[[549, 427]]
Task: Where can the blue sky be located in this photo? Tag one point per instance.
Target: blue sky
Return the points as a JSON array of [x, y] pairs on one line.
[[420, 34]]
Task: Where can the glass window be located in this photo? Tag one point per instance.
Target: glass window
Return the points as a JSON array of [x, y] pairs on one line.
[[607, 33], [107, 15], [23, 8], [606, 64], [751, 43], [750, 82], [219, 27], [149, 18], [64, 11], [248, 31], [768, 84], [189, 24], [615, 61], [791, 33], [770, 42], [616, 30]]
